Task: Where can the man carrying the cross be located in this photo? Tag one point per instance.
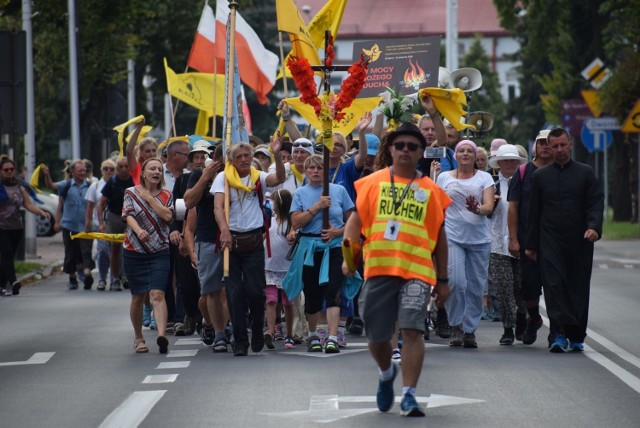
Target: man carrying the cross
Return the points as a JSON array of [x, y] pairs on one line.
[[404, 255]]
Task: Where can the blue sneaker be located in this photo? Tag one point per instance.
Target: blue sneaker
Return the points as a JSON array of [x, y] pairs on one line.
[[146, 315], [152, 324], [385, 396], [560, 344], [410, 407], [576, 346]]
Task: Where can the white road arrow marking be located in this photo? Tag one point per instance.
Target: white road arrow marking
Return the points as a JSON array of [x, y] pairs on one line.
[[325, 408], [37, 358]]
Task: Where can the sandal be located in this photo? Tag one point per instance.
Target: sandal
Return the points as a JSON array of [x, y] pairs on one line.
[[140, 346], [314, 344], [331, 347], [163, 344]]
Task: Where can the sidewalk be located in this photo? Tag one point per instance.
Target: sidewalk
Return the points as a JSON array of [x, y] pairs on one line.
[[627, 250], [50, 251]]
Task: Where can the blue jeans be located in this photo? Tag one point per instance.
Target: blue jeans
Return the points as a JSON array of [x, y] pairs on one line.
[[468, 270]]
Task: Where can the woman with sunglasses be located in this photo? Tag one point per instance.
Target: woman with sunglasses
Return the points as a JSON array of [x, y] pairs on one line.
[[14, 194], [108, 168], [472, 192]]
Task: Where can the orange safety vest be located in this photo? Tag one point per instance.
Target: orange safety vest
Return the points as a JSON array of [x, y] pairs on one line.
[[410, 255]]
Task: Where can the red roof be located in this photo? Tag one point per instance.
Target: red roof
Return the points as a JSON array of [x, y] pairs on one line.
[[410, 18]]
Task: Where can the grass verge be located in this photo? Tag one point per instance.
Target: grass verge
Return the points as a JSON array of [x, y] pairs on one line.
[[23, 268], [620, 230]]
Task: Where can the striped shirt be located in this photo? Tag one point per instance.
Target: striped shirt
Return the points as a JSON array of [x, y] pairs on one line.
[[148, 220]]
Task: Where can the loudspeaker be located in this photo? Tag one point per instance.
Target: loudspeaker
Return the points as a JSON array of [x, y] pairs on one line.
[[443, 78], [467, 79], [482, 120]]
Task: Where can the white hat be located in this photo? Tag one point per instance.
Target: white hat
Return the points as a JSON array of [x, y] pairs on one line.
[[506, 152], [543, 135], [303, 144], [262, 151], [200, 146]]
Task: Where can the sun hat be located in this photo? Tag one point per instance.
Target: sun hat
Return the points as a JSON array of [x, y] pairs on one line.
[[506, 152]]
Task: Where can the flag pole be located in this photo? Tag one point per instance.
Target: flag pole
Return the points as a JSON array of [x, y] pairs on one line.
[[231, 46], [215, 103], [284, 66]]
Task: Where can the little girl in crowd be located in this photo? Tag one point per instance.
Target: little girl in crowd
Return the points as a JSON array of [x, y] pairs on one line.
[[277, 265]]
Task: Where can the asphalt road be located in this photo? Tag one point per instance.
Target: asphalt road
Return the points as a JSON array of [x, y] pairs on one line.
[[67, 360]]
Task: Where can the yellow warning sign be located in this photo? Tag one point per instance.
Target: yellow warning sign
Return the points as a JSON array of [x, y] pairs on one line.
[[632, 122], [592, 98]]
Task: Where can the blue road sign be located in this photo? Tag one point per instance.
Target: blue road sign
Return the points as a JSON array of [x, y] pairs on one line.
[[596, 140]]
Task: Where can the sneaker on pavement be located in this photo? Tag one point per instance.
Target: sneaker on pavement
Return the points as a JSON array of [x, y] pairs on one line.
[[443, 329], [410, 407], [298, 340], [207, 334], [560, 344], [456, 337], [102, 285], [189, 325], [469, 340], [385, 396], [6, 293], [125, 283], [396, 356], [241, 350], [88, 282], [508, 337], [178, 329], [277, 334], [268, 340], [323, 334], [531, 331], [576, 346], [289, 343], [73, 283], [115, 285], [146, 315], [15, 288], [342, 340]]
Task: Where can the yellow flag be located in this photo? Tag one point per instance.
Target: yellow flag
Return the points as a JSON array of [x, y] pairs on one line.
[[202, 123], [290, 21], [196, 89], [120, 130], [449, 103], [328, 18], [353, 113], [113, 237], [35, 178]]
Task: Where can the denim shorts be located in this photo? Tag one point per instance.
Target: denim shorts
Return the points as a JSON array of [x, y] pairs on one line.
[[146, 272]]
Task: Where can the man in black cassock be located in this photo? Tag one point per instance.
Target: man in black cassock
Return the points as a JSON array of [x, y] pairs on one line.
[[565, 219]]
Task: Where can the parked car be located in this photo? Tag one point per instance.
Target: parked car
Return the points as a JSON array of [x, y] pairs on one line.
[[44, 226]]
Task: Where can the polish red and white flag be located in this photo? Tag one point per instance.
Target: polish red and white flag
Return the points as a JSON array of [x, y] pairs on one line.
[[203, 56], [257, 65]]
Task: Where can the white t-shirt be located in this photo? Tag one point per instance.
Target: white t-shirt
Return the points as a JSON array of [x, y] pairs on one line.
[[279, 249], [94, 192], [245, 213], [498, 227], [462, 225], [291, 183]]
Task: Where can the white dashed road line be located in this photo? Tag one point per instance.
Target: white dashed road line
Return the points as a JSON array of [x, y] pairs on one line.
[[133, 411]]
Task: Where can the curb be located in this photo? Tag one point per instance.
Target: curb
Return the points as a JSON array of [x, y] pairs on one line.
[[45, 272]]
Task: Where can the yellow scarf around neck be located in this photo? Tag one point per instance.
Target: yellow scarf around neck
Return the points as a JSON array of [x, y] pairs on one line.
[[298, 174], [235, 181]]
